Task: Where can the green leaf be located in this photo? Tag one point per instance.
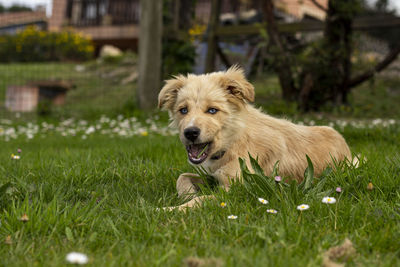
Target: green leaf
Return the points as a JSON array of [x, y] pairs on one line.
[[4, 188], [275, 170], [257, 183], [243, 165], [256, 167], [69, 234], [308, 174], [93, 237]]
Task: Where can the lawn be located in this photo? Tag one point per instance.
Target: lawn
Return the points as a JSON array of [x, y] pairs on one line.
[[93, 183], [105, 88], [97, 192], [100, 87]]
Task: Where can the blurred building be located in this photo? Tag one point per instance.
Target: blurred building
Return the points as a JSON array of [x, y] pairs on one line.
[[12, 22], [26, 98], [106, 22], [291, 10], [304, 9], [116, 21]]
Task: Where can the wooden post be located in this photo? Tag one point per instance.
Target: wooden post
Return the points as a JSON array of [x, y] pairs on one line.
[[212, 37], [149, 53], [177, 7]]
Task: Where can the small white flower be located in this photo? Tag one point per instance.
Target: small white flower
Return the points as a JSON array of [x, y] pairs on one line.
[[15, 156], [232, 217], [77, 258], [272, 211], [263, 201], [303, 207], [223, 204], [329, 200]]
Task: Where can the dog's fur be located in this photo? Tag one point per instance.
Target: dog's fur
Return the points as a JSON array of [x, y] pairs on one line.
[[238, 129]]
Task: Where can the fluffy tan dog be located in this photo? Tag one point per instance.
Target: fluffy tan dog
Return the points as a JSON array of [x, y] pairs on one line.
[[218, 125]]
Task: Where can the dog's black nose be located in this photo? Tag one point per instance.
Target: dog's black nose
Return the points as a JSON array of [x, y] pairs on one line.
[[191, 133]]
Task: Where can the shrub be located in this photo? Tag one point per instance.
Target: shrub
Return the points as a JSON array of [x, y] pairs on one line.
[[33, 45], [178, 56]]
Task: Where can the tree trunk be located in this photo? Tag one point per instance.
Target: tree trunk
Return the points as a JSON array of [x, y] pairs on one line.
[[325, 76], [338, 38], [389, 58], [212, 40], [149, 53], [282, 60], [186, 13], [326, 79]]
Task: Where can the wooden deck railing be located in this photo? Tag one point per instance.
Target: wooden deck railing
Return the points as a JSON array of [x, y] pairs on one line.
[[86, 13]]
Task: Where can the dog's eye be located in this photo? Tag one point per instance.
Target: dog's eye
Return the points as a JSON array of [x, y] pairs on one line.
[[183, 110], [212, 110]]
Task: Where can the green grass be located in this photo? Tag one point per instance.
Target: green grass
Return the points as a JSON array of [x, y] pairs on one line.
[[98, 88], [98, 196], [372, 99]]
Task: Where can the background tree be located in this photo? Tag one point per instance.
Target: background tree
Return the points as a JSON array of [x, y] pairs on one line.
[[324, 72], [150, 47], [18, 8], [14, 8], [381, 9], [178, 51]]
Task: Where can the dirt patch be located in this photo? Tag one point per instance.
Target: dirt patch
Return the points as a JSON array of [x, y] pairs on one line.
[[202, 262], [337, 256]]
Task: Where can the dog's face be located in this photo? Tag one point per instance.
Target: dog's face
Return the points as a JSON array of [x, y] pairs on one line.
[[203, 107]]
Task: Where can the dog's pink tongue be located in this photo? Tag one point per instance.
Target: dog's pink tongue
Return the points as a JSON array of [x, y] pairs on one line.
[[194, 151]]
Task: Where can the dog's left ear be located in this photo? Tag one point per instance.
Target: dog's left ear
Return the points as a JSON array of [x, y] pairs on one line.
[[236, 83]]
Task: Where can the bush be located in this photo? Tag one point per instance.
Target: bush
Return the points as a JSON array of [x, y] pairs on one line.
[[178, 56], [33, 45]]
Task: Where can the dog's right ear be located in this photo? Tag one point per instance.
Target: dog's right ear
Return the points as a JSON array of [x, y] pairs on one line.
[[168, 94], [236, 83]]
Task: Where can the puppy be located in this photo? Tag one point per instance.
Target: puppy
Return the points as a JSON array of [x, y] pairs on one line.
[[218, 125]]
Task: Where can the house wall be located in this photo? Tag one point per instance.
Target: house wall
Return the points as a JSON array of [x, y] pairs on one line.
[[123, 36], [99, 33], [59, 99], [14, 29], [57, 20], [22, 98], [11, 23], [299, 9], [295, 8]]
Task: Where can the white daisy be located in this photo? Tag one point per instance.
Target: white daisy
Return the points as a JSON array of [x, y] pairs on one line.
[[272, 211], [329, 200], [263, 201], [15, 156], [77, 258], [223, 204], [232, 217], [303, 207]]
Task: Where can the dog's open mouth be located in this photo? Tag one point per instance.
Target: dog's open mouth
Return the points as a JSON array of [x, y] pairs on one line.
[[197, 153]]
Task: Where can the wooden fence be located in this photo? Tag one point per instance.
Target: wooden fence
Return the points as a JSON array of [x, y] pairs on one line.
[[217, 32]]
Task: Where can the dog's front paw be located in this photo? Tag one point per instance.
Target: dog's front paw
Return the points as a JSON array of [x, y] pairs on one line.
[[171, 208]]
